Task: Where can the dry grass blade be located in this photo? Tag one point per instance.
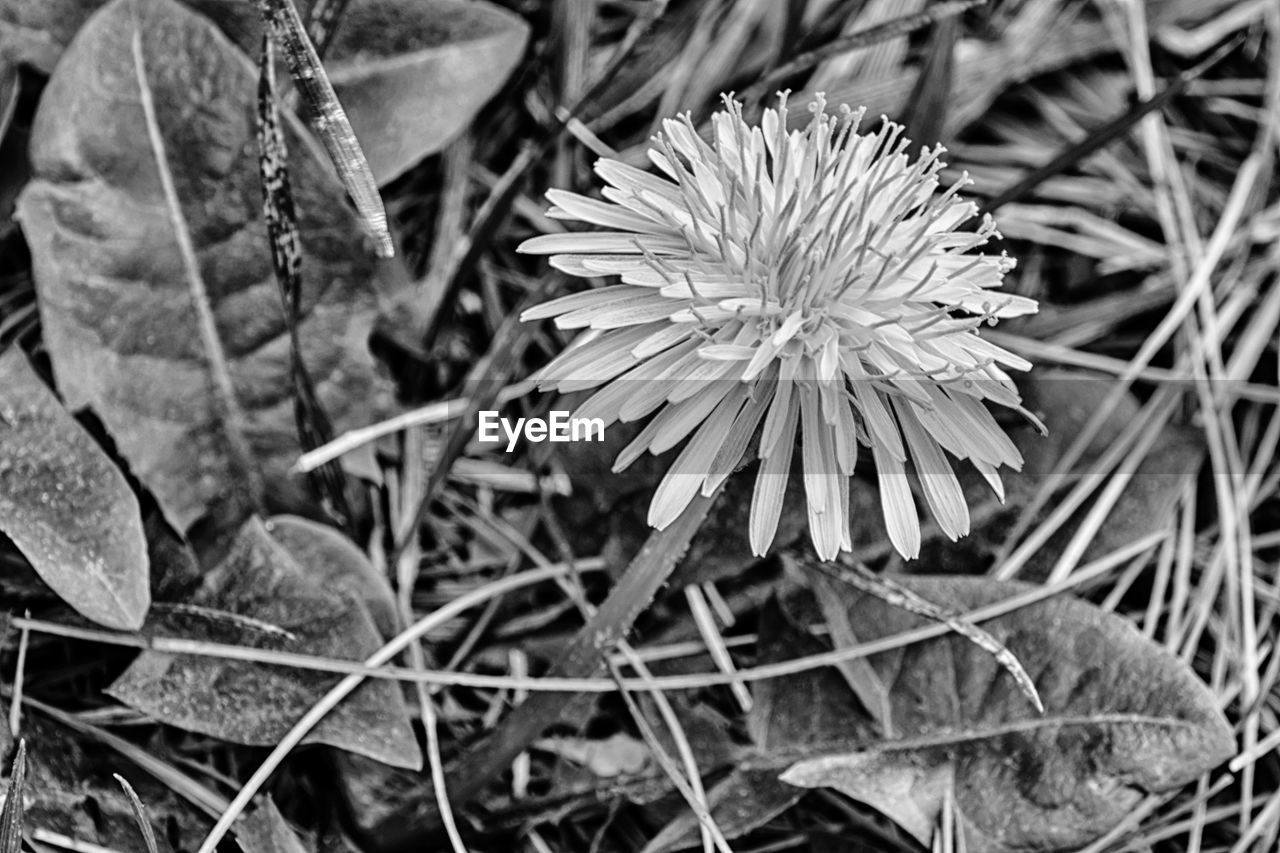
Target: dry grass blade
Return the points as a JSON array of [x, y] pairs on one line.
[[139, 814], [862, 38], [899, 596], [280, 215], [11, 815], [329, 119], [1108, 133]]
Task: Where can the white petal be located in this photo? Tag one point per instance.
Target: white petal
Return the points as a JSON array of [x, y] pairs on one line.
[[588, 365], [604, 242], [846, 435], [665, 337], [600, 213], [938, 480], [992, 476], [687, 474], [651, 393], [881, 427], [899, 507], [702, 379], [630, 178], [672, 496], [635, 310], [726, 352], [647, 390], [679, 419], [735, 443], [589, 266], [821, 478], [596, 297], [775, 431], [771, 485]]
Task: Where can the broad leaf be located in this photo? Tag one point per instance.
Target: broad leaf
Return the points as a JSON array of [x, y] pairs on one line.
[[333, 562], [1123, 718], [257, 704], [66, 506], [153, 268], [411, 76]]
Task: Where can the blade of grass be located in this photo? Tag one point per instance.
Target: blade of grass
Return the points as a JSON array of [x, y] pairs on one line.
[[11, 815], [329, 119], [313, 425], [895, 594], [139, 814]]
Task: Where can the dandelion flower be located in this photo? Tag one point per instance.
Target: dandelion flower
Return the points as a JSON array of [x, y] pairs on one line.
[[809, 284]]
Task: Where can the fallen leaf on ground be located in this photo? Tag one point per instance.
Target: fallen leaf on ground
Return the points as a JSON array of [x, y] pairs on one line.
[[66, 506], [256, 704], [1123, 719]]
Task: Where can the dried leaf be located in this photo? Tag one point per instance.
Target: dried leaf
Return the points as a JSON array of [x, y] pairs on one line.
[[412, 75], [256, 704], [1123, 718], [66, 506], [165, 321]]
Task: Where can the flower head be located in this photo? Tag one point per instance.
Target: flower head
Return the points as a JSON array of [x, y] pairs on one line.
[[809, 282]]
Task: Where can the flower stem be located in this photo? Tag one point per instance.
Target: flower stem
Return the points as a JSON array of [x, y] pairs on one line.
[[585, 653]]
